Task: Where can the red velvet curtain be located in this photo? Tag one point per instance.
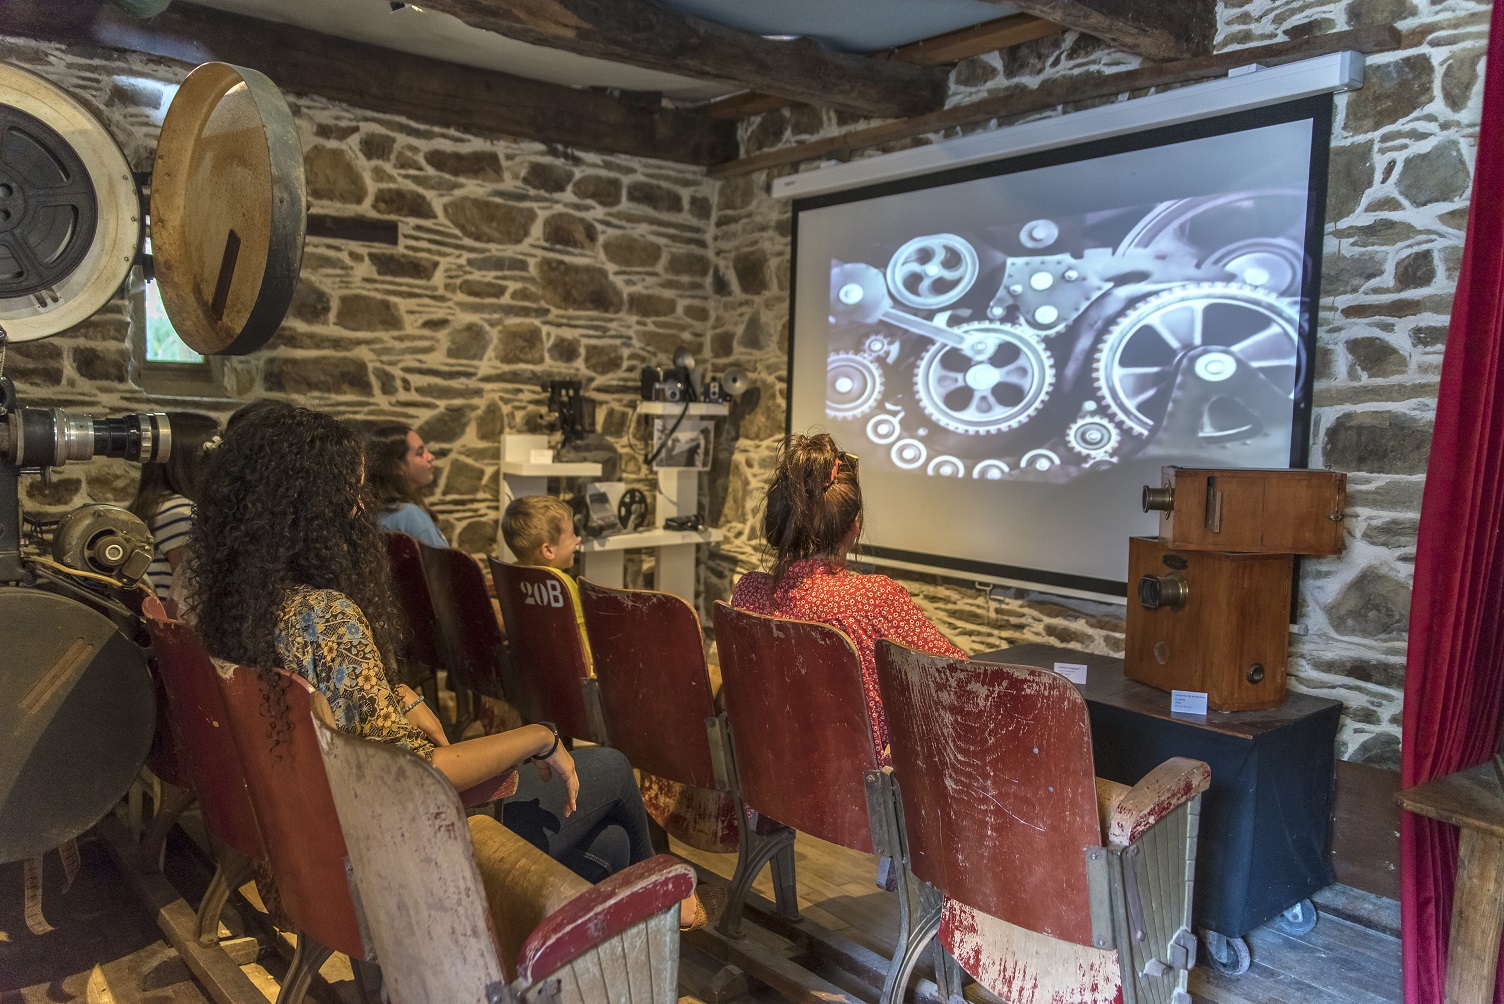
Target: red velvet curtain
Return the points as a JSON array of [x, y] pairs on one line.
[[1455, 669]]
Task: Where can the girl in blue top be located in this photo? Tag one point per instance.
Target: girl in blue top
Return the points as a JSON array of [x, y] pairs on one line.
[[398, 468]]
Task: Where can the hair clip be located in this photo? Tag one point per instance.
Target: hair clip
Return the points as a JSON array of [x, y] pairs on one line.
[[214, 443]]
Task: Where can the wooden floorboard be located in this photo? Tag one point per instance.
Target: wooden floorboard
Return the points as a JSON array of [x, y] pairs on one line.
[[1337, 963]]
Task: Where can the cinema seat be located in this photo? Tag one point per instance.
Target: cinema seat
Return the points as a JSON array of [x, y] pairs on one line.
[[450, 904], [550, 659], [1056, 886], [474, 645], [211, 764], [802, 747], [165, 760], [658, 709], [422, 652], [295, 813]]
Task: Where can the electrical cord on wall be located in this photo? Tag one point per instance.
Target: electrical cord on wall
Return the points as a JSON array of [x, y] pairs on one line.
[[666, 436]]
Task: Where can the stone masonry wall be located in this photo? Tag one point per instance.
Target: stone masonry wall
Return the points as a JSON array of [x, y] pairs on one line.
[[517, 263], [1402, 150]]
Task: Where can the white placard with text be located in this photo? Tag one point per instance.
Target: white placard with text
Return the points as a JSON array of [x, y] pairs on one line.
[[1187, 702], [1072, 671]]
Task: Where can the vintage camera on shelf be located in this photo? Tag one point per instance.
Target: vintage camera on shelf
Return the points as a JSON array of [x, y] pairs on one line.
[[572, 411], [686, 381]]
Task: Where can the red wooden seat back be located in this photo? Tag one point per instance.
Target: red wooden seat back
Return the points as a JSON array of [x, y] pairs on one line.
[[994, 764], [165, 759], [655, 687], [548, 653], [798, 717], [294, 807], [472, 637], [201, 727], [422, 645]]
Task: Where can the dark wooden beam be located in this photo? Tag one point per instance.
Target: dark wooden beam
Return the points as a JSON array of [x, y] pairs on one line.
[[951, 47], [1052, 93], [978, 40], [393, 83], [641, 33], [1154, 29]]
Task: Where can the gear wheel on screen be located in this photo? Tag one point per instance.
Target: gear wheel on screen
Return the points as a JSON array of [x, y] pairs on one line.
[[853, 385], [997, 380], [1135, 363], [1093, 436]]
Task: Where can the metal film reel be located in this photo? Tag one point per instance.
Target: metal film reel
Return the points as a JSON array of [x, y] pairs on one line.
[[70, 219], [933, 272], [853, 385], [1136, 362], [997, 382]]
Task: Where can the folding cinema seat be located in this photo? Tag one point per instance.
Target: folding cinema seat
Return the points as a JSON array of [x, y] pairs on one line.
[[474, 645], [422, 652], [550, 657], [1057, 886], [165, 760], [449, 903], [206, 751], [802, 747], [658, 709]]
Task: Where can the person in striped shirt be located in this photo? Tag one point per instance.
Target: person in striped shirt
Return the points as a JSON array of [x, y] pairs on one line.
[[164, 498]]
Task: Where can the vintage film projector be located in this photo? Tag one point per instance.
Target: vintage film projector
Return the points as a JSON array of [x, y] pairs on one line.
[[228, 219]]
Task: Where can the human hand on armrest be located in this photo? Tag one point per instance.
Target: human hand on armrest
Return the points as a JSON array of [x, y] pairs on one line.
[[472, 762]]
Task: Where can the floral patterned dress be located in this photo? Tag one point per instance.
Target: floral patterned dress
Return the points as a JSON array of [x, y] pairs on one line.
[[323, 637], [866, 607]]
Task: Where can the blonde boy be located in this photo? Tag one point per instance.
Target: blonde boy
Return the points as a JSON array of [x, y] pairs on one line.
[[539, 530]]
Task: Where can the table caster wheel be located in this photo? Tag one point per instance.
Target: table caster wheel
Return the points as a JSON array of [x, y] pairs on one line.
[[1298, 919], [1228, 956]]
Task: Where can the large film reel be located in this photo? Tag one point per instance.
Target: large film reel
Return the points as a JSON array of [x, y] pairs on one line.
[[70, 220]]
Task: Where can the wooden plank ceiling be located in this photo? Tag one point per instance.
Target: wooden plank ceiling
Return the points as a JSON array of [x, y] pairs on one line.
[[907, 83]]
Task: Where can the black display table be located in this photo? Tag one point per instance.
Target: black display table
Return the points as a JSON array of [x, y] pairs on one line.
[[1266, 830]]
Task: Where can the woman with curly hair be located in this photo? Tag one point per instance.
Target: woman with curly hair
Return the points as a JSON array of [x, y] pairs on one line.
[[812, 518], [399, 466], [289, 570]]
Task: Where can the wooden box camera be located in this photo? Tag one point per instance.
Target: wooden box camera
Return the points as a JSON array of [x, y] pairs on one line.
[[1209, 622], [1262, 511]]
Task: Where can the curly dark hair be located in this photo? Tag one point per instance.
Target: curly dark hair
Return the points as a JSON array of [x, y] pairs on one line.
[[812, 500], [282, 504]]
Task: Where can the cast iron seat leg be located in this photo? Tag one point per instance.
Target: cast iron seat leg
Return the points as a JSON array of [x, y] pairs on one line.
[[169, 807], [367, 980], [232, 872], [756, 851], [307, 960], [915, 943], [785, 884]]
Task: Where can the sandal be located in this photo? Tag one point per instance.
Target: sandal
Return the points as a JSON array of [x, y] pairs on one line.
[[710, 903]]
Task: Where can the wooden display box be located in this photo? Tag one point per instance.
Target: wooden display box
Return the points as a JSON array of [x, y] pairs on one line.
[[1254, 511], [1220, 626]]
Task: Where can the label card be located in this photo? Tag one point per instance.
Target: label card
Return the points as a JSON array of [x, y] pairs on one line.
[[1187, 702], [1072, 671], [540, 456]]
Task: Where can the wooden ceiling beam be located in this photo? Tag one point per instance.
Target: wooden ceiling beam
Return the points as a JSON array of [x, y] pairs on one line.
[[390, 82], [1067, 90], [1154, 29], [641, 33], [951, 47], [977, 40]]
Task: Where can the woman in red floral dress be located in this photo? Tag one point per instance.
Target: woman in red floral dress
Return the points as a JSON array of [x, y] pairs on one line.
[[812, 518]]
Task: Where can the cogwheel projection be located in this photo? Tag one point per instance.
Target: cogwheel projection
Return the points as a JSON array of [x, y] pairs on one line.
[[997, 381], [933, 271], [1093, 436], [1137, 359], [853, 385]]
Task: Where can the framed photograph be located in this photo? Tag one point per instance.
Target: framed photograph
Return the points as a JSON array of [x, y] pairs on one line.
[[687, 446]]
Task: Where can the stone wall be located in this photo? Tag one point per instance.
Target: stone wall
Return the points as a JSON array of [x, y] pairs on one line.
[[1402, 150], [517, 263]]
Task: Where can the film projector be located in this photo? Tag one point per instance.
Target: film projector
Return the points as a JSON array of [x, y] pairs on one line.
[[1209, 601], [228, 217]]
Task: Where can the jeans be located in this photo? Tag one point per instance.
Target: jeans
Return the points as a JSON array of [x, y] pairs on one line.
[[608, 829]]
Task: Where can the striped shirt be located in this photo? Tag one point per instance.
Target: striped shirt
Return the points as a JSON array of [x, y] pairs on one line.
[[169, 529]]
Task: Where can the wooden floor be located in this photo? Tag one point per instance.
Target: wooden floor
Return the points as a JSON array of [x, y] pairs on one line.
[[1337, 963], [106, 947]]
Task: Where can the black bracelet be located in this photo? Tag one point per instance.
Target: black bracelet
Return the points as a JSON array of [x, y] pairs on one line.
[[552, 749]]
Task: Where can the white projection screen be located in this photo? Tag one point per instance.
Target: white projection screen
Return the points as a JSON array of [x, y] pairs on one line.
[[1014, 349]]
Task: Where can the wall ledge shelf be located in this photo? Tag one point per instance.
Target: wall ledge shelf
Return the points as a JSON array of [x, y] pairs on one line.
[[650, 538]]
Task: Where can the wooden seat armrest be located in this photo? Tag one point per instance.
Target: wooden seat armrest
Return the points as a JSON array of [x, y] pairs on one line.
[[604, 911], [1166, 787], [503, 785], [523, 885]]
